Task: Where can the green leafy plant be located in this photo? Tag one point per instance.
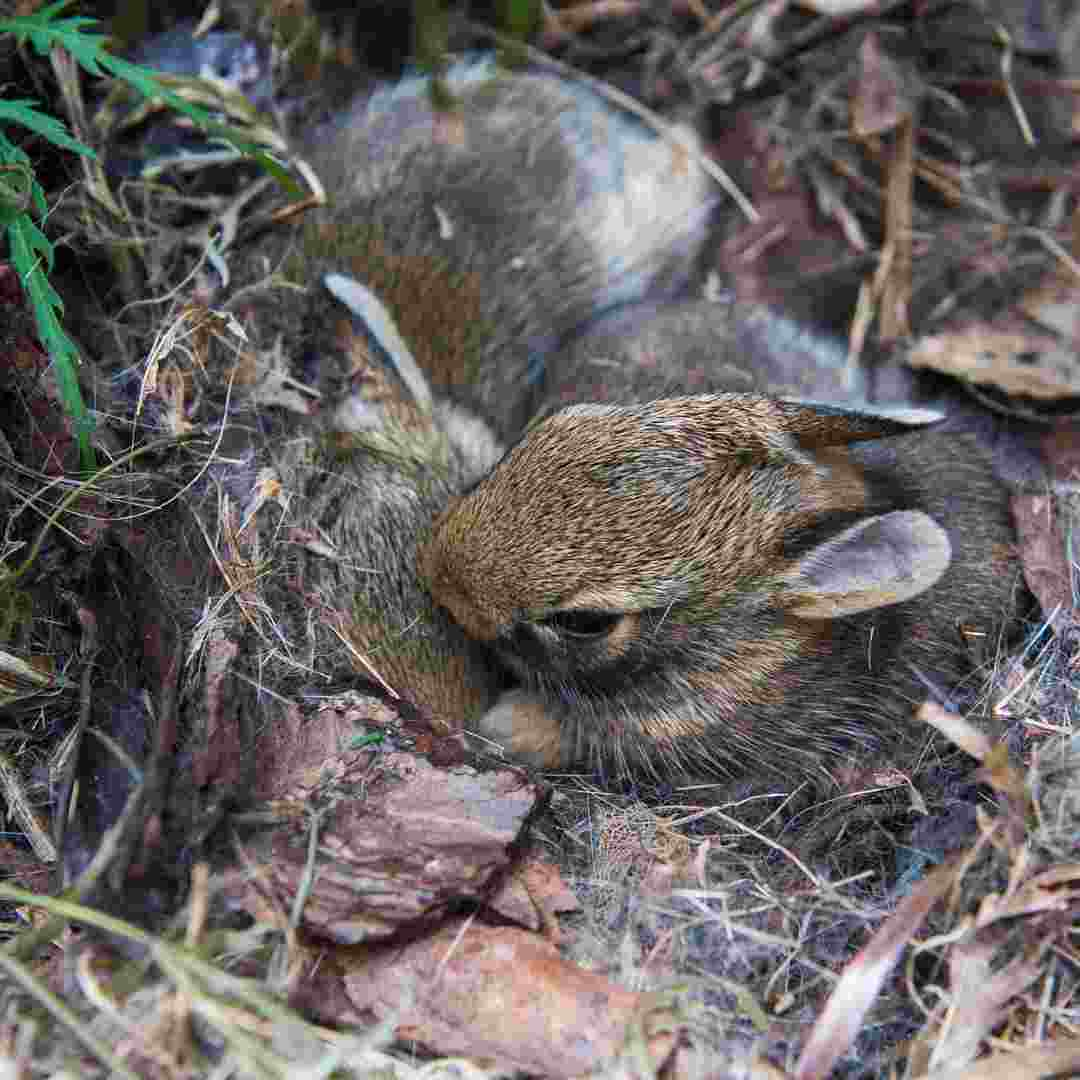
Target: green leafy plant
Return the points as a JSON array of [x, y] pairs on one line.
[[22, 199]]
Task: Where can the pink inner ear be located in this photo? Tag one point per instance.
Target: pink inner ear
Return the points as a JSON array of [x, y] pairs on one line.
[[878, 561]]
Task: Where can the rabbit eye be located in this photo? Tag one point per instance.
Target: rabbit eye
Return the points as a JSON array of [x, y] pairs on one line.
[[584, 623]]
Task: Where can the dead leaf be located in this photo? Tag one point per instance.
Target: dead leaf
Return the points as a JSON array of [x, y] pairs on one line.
[[428, 831], [979, 996], [218, 760], [1007, 780], [504, 994], [1043, 555], [1055, 305], [173, 390], [24, 869], [1061, 449], [1030, 899], [577, 18], [1011, 358], [896, 286], [533, 894]]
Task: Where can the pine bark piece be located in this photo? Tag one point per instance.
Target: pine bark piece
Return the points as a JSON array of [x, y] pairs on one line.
[[399, 838]]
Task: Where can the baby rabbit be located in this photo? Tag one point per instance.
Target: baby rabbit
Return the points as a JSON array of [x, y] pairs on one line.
[[492, 234], [467, 247], [722, 585], [680, 586]]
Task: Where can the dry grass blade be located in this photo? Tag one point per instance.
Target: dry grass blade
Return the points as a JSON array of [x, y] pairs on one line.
[[62, 1012], [1029, 1063], [863, 978], [261, 1036], [19, 806], [20, 679], [955, 728], [980, 997]]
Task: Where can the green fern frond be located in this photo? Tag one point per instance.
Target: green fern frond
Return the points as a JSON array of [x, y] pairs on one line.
[[32, 255], [25, 113], [44, 30], [21, 195]]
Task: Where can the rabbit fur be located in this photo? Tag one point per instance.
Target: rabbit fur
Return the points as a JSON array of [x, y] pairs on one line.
[[672, 573]]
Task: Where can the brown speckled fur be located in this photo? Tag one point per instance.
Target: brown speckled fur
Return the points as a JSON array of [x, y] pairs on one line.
[[717, 663], [659, 574]]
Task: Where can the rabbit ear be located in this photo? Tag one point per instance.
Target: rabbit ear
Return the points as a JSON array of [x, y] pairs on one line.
[[382, 330], [814, 424], [720, 427], [880, 561]]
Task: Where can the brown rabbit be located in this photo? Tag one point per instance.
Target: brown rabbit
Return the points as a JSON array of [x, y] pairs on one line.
[[723, 585], [468, 247], [716, 585]]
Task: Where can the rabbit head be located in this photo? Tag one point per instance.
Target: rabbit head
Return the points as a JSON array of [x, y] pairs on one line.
[[657, 575]]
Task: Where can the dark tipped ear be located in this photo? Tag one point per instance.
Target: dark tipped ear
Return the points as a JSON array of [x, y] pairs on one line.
[[879, 561], [816, 425]]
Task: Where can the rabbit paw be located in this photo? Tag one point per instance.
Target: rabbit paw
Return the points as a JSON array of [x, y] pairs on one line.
[[525, 729]]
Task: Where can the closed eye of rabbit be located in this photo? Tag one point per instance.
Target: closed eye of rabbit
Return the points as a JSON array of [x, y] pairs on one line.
[[584, 623]]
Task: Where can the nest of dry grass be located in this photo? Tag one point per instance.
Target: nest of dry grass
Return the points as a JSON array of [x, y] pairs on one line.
[[619, 938]]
